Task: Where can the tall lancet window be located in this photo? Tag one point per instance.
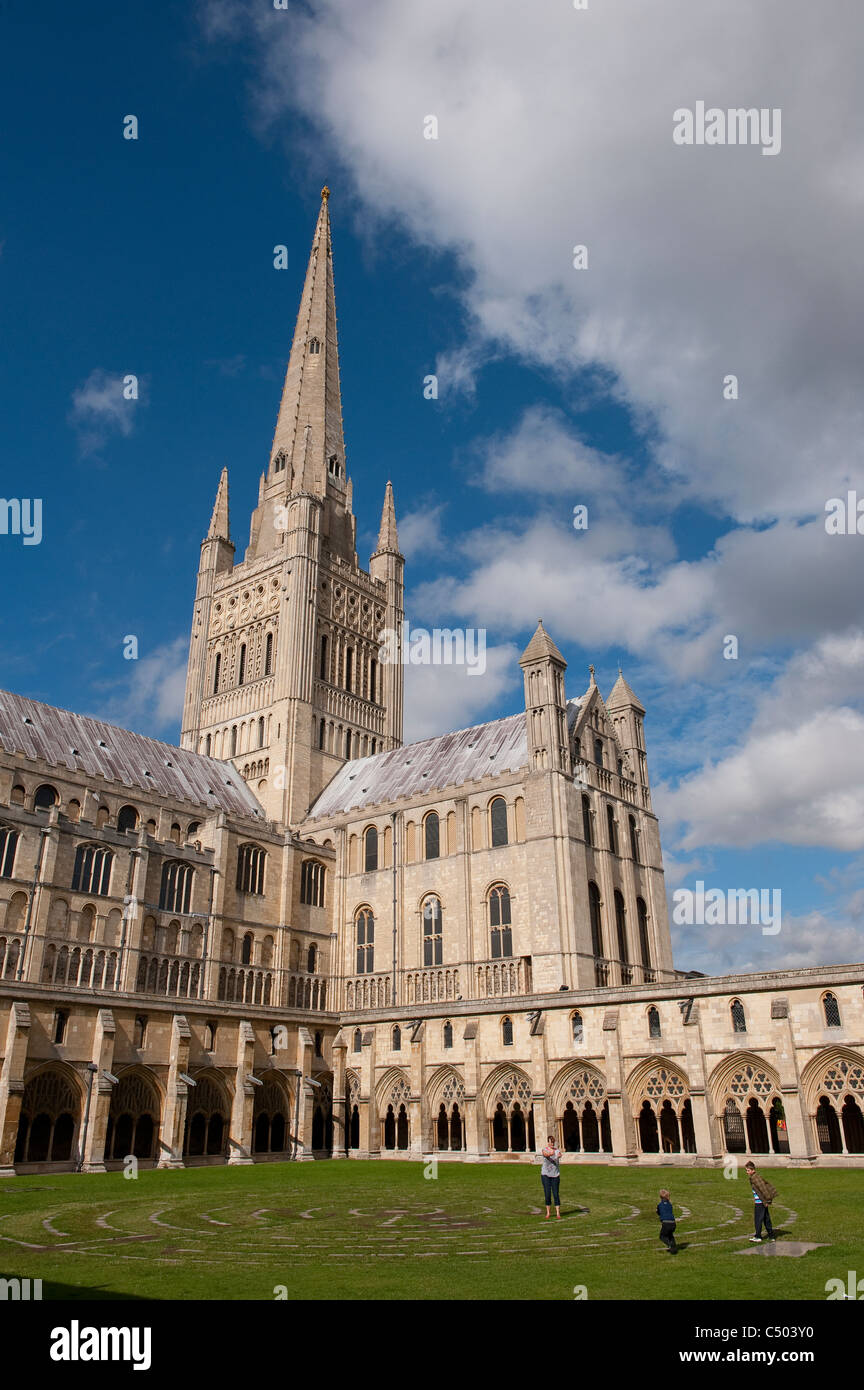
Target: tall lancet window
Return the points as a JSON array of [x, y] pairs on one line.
[[268, 655], [314, 347], [217, 669], [241, 670]]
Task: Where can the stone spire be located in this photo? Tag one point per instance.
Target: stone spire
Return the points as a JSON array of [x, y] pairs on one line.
[[388, 539], [540, 646], [621, 694], [219, 525], [309, 426]]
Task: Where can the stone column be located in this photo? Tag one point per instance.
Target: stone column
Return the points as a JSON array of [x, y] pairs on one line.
[[476, 1128], [620, 1118], [342, 1116], [173, 1126], [12, 1084], [102, 1055], [240, 1130]]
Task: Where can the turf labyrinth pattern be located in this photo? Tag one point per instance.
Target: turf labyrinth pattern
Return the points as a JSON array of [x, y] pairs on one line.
[[188, 1230]]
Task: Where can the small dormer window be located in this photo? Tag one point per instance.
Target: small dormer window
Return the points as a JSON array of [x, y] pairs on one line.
[[334, 466], [314, 346], [279, 462]]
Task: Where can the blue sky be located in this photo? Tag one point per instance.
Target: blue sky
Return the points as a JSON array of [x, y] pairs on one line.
[[454, 256]]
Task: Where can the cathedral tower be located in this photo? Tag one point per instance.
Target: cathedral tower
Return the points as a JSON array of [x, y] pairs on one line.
[[283, 677]]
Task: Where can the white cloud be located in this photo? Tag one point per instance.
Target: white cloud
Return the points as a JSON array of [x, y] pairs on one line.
[[100, 409], [420, 531], [439, 699], [555, 128], [149, 697]]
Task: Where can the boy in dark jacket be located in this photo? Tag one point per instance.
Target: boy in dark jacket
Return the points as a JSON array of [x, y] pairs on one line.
[[764, 1193], [666, 1212]]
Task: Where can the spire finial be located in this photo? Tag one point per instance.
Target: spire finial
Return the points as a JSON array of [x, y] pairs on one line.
[[325, 193], [591, 670]]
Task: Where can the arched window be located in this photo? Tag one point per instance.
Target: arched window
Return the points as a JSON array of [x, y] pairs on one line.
[[349, 668], [314, 346], [127, 819], [396, 1039], [507, 1032], [613, 828], [217, 671], [634, 840], [832, 1011], [358, 1040], [176, 891], [596, 919], [370, 849], [432, 835], [208, 744], [210, 1030], [621, 927], [92, 871], [587, 829], [279, 462], [261, 731], [61, 1018], [364, 934], [241, 668], [233, 740], [250, 869], [268, 654], [373, 680], [433, 944], [498, 821], [312, 883], [246, 949], [578, 1028], [8, 845], [323, 665], [348, 743], [448, 1034], [644, 946], [653, 1023], [140, 1031], [739, 1020], [312, 959], [499, 921], [46, 797], [598, 752]]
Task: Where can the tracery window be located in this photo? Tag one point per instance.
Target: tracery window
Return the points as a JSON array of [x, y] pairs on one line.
[[499, 921], [364, 935], [8, 846], [92, 871], [251, 860], [312, 874], [739, 1019], [176, 891], [831, 1010], [433, 942], [653, 1023]]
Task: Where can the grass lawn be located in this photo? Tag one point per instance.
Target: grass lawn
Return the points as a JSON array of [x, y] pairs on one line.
[[381, 1230]]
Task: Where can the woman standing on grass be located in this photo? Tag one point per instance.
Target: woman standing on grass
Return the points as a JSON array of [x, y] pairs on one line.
[[550, 1175]]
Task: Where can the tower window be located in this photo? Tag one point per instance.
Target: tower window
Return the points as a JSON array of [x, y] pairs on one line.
[[586, 820], [598, 752], [233, 739], [578, 1028], [8, 845], [373, 679], [176, 890], [46, 797], [653, 1023], [261, 732], [499, 921], [432, 835], [314, 347], [433, 944], [323, 669], [370, 844], [507, 1032], [739, 1020], [250, 869], [92, 871], [349, 669], [613, 828], [217, 669], [498, 821], [832, 1011], [241, 670], [642, 914], [364, 932], [268, 655], [279, 462], [312, 883], [61, 1018], [140, 1034], [448, 1034]]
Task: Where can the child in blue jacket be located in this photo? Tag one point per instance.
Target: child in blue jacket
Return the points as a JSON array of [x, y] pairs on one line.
[[666, 1212]]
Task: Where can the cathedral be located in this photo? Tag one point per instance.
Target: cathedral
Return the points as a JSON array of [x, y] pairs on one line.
[[296, 937]]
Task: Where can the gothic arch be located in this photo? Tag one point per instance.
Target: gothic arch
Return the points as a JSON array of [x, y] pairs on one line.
[[135, 1115], [271, 1114], [832, 1085], [659, 1094], [507, 1097], [208, 1115], [579, 1098], [748, 1105], [393, 1086], [50, 1120], [446, 1110], [445, 1079], [507, 1080]]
